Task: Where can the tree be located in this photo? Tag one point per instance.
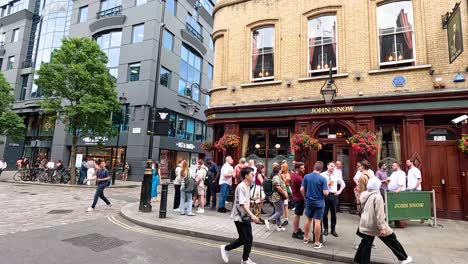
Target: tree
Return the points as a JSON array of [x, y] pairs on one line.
[[11, 125], [78, 87]]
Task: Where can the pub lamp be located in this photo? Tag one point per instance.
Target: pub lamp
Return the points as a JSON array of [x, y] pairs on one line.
[[329, 88]]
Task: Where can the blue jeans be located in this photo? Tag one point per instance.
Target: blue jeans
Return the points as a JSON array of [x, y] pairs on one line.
[[279, 207], [185, 202], [224, 194], [99, 194]]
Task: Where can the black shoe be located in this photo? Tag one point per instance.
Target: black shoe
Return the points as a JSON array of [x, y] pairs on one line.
[[222, 210], [325, 232], [213, 208], [285, 223], [300, 231], [334, 233], [298, 235]]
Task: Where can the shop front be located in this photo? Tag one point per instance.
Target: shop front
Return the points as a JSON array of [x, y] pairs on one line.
[[409, 127]]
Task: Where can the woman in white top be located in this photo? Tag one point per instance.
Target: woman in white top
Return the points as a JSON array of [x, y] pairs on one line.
[[90, 172]]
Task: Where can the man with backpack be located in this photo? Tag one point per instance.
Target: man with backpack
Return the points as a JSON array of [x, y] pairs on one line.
[[103, 180], [200, 178], [210, 182]]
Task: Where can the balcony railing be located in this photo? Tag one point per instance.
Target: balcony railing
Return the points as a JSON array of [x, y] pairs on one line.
[[194, 32], [115, 11], [26, 64]]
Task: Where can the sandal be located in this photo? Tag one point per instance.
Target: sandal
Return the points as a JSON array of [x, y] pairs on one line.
[[319, 246], [306, 241]]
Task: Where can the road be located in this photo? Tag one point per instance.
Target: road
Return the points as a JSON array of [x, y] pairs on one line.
[[30, 234]]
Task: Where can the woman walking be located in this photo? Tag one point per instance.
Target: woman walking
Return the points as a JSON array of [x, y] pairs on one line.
[[154, 186], [373, 224], [91, 169], [126, 169], [277, 198], [185, 192], [286, 177]]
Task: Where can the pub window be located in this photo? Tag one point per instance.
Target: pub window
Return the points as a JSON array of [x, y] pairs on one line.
[[396, 34], [388, 144], [322, 45], [263, 40], [335, 131]]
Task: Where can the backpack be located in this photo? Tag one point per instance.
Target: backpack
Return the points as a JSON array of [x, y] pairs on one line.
[[268, 186], [189, 184], [209, 178]]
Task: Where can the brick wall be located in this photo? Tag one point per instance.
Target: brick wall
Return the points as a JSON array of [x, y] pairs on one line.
[[357, 49]]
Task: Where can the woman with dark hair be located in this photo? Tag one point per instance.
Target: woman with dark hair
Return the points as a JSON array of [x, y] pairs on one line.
[[277, 198], [154, 187], [256, 192]]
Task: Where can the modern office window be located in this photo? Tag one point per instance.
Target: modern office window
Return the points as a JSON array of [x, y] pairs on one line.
[[263, 41], [181, 124], [171, 7], [1, 64], [207, 100], [396, 33], [140, 2], [83, 14], [172, 124], [24, 86], [109, 4], [110, 45], [190, 73], [209, 71], [4, 10], [190, 129], [15, 35], [211, 43], [168, 40], [134, 72], [16, 6], [199, 131], [322, 44], [11, 61], [2, 37], [165, 77], [194, 27], [138, 33]]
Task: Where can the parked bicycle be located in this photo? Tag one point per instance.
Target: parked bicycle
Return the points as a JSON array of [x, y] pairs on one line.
[[48, 176], [27, 175]]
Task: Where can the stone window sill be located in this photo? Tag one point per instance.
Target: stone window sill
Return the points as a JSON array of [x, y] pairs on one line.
[[410, 68], [323, 77], [248, 85]]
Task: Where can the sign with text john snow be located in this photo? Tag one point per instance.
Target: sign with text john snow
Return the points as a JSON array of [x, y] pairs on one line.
[[409, 205]]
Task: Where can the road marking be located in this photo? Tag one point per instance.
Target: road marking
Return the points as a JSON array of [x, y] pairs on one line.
[[193, 241]]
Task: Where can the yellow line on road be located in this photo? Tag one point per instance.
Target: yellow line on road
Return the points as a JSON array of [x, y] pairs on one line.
[[193, 241]]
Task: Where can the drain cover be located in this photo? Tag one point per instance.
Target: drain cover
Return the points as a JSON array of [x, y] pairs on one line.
[[96, 242], [59, 211]]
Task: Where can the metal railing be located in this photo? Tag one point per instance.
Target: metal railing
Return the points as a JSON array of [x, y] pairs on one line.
[[115, 11], [26, 64], [194, 32]]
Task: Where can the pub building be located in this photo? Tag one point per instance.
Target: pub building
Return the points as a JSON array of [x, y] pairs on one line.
[[290, 70]]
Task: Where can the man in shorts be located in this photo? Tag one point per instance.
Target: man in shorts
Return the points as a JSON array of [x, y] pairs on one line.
[[296, 183], [314, 189]]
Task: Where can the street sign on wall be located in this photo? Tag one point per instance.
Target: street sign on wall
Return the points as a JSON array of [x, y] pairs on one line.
[[409, 205]]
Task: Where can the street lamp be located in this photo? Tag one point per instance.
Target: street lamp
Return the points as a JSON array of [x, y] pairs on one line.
[[329, 89], [123, 101]]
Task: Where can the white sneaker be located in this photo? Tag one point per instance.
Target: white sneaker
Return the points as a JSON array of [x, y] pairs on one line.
[[280, 228], [200, 211], [90, 209], [191, 214], [224, 254], [267, 225], [176, 210], [408, 260], [109, 206], [248, 261]]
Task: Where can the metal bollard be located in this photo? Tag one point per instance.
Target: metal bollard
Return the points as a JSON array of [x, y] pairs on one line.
[[163, 203], [145, 195]]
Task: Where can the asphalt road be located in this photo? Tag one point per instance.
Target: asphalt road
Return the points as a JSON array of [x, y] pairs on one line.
[[113, 240]]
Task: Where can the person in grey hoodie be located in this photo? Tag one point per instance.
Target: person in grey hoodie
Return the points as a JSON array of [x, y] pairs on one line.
[[373, 224]]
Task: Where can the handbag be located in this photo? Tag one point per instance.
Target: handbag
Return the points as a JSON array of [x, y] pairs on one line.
[[245, 218]]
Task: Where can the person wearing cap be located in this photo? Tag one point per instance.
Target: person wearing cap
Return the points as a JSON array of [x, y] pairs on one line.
[[373, 223]]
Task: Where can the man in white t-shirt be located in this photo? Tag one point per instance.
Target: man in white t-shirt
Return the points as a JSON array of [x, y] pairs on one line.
[[225, 182], [397, 179], [331, 200], [414, 177]]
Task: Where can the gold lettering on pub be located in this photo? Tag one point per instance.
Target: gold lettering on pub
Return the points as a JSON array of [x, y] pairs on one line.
[[334, 109]]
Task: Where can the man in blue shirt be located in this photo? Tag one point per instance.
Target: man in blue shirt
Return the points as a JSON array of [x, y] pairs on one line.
[[314, 189], [103, 179], [211, 188]]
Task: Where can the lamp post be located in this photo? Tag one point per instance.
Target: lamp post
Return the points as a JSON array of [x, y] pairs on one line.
[[145, 194], [123, 101], [329, 89]]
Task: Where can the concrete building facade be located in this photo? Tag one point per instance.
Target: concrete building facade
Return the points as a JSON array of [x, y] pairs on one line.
[[398, 69], [128, 32]]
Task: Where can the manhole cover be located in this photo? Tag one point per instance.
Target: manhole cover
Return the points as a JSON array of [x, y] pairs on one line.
[[96, 242], [60, 211]]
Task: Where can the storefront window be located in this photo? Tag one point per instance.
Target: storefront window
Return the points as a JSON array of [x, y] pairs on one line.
[[181, 123], [389, 145], [335, 131], [199, 131], [190, 129], [172, 124]]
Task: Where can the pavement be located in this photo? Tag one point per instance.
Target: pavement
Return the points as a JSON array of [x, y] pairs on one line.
[[424, 243], [7, 176]]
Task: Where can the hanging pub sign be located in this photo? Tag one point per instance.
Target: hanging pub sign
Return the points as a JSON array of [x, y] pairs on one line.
[[454, 33], [158, 123]]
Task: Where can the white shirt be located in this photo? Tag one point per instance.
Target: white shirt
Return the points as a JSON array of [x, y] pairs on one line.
[[335, 178], [3, 165], [178, 169], [414, 174], [359, 173], [50, 165], [396, 179], [226, 169]]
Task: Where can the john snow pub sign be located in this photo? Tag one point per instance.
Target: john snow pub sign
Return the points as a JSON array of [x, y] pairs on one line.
[[332, 109]]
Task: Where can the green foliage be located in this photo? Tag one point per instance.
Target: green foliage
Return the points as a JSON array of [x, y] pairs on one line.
[[11, 124], [77, 85]]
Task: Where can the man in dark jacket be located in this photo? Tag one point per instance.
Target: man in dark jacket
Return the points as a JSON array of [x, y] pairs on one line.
[[211, 188]]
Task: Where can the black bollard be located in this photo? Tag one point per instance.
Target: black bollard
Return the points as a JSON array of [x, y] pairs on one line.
[[145, 195], [163, 203]]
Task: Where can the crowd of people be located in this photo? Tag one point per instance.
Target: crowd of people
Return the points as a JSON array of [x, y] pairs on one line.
[[315, 194]]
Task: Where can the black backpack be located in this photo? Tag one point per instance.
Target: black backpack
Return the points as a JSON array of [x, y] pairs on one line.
[[190, 184], [268, 186]]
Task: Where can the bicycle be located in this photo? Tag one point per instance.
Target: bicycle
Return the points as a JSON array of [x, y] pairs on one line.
[[22, 175], [48, 176]]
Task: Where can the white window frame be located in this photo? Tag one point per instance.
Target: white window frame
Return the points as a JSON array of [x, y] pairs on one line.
[[335, 68], [269, 78], [136, 64], [133, 32], [80, 14], [396, 62]]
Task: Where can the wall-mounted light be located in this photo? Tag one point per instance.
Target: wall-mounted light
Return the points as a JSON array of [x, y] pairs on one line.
[[361, 93], [257, 146], [233, 102], [290, 99], [277, 146]]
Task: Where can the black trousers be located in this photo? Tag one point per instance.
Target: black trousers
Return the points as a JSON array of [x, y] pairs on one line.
[[363, 254], [99, 194], [176, 196], [211, 195], [330, 205], [245, 238]]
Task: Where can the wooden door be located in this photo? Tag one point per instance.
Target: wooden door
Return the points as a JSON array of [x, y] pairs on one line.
[[443, 175], [341, 152]]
